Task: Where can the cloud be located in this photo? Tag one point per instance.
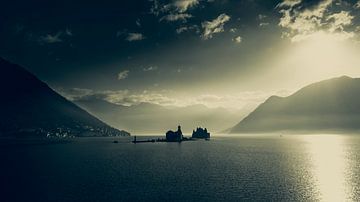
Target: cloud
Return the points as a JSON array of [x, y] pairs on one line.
[[181, 29], [176, 6], [123, 74], [357, 5], [323, 35], [75, 93], [261, 16], [150, 68], [340, 20], [143, 97], [264, 24], [187, 28], [68, 32], [155, 8], [135, 37], [288, 3], [55, 38], [49, 38], [214, 26], [122, 97], [121, 32], [237, 39], [184, 5], [128, 98], [176, 17], [137, 22], [302, 20], [233, 30]]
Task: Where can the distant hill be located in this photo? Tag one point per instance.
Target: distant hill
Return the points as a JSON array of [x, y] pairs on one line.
[[153, 118], [29, 107], [326, 106]]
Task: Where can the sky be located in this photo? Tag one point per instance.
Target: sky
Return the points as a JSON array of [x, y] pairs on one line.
[[220, 53]]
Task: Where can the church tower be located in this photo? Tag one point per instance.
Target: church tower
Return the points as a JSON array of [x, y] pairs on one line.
[[179, 133]]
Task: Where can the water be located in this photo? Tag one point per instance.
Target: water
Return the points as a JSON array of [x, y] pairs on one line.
[[259, 167]]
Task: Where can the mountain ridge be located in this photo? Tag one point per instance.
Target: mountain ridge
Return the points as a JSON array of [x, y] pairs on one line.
[[328, 105], [30, 106], [153, 118]]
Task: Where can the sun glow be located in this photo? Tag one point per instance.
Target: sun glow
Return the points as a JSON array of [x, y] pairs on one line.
[[324, 53], [320, 56]]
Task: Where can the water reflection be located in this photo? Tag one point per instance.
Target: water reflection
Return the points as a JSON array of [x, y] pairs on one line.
[[329, 160]]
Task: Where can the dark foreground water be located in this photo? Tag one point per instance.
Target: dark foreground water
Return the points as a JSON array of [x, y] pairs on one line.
[[272, 167]]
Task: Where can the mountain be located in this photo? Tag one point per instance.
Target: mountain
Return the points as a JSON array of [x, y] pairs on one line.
[[152, 118], [29, 107], [326, 106]]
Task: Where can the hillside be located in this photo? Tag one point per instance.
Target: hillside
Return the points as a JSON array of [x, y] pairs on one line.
[[330, 105], [29, 107]]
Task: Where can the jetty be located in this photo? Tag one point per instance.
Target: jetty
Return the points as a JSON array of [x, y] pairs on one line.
[[135, 141]]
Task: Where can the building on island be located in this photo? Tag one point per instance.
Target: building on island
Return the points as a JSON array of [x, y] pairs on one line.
[[176, 136], [201, 133]]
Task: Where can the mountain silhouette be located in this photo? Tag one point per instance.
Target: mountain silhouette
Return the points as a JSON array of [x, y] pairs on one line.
[[154, 118], [326, 106], [29, 106]]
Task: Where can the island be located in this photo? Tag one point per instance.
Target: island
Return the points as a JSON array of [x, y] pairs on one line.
[[201, 133], [177, 136]]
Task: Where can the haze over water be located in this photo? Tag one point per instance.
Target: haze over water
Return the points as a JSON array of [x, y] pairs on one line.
[[256, 167]]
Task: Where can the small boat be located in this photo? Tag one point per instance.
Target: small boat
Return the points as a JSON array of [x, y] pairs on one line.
[[115, 141]]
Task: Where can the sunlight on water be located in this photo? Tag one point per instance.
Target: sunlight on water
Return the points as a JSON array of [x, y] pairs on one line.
[[329, 165]]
